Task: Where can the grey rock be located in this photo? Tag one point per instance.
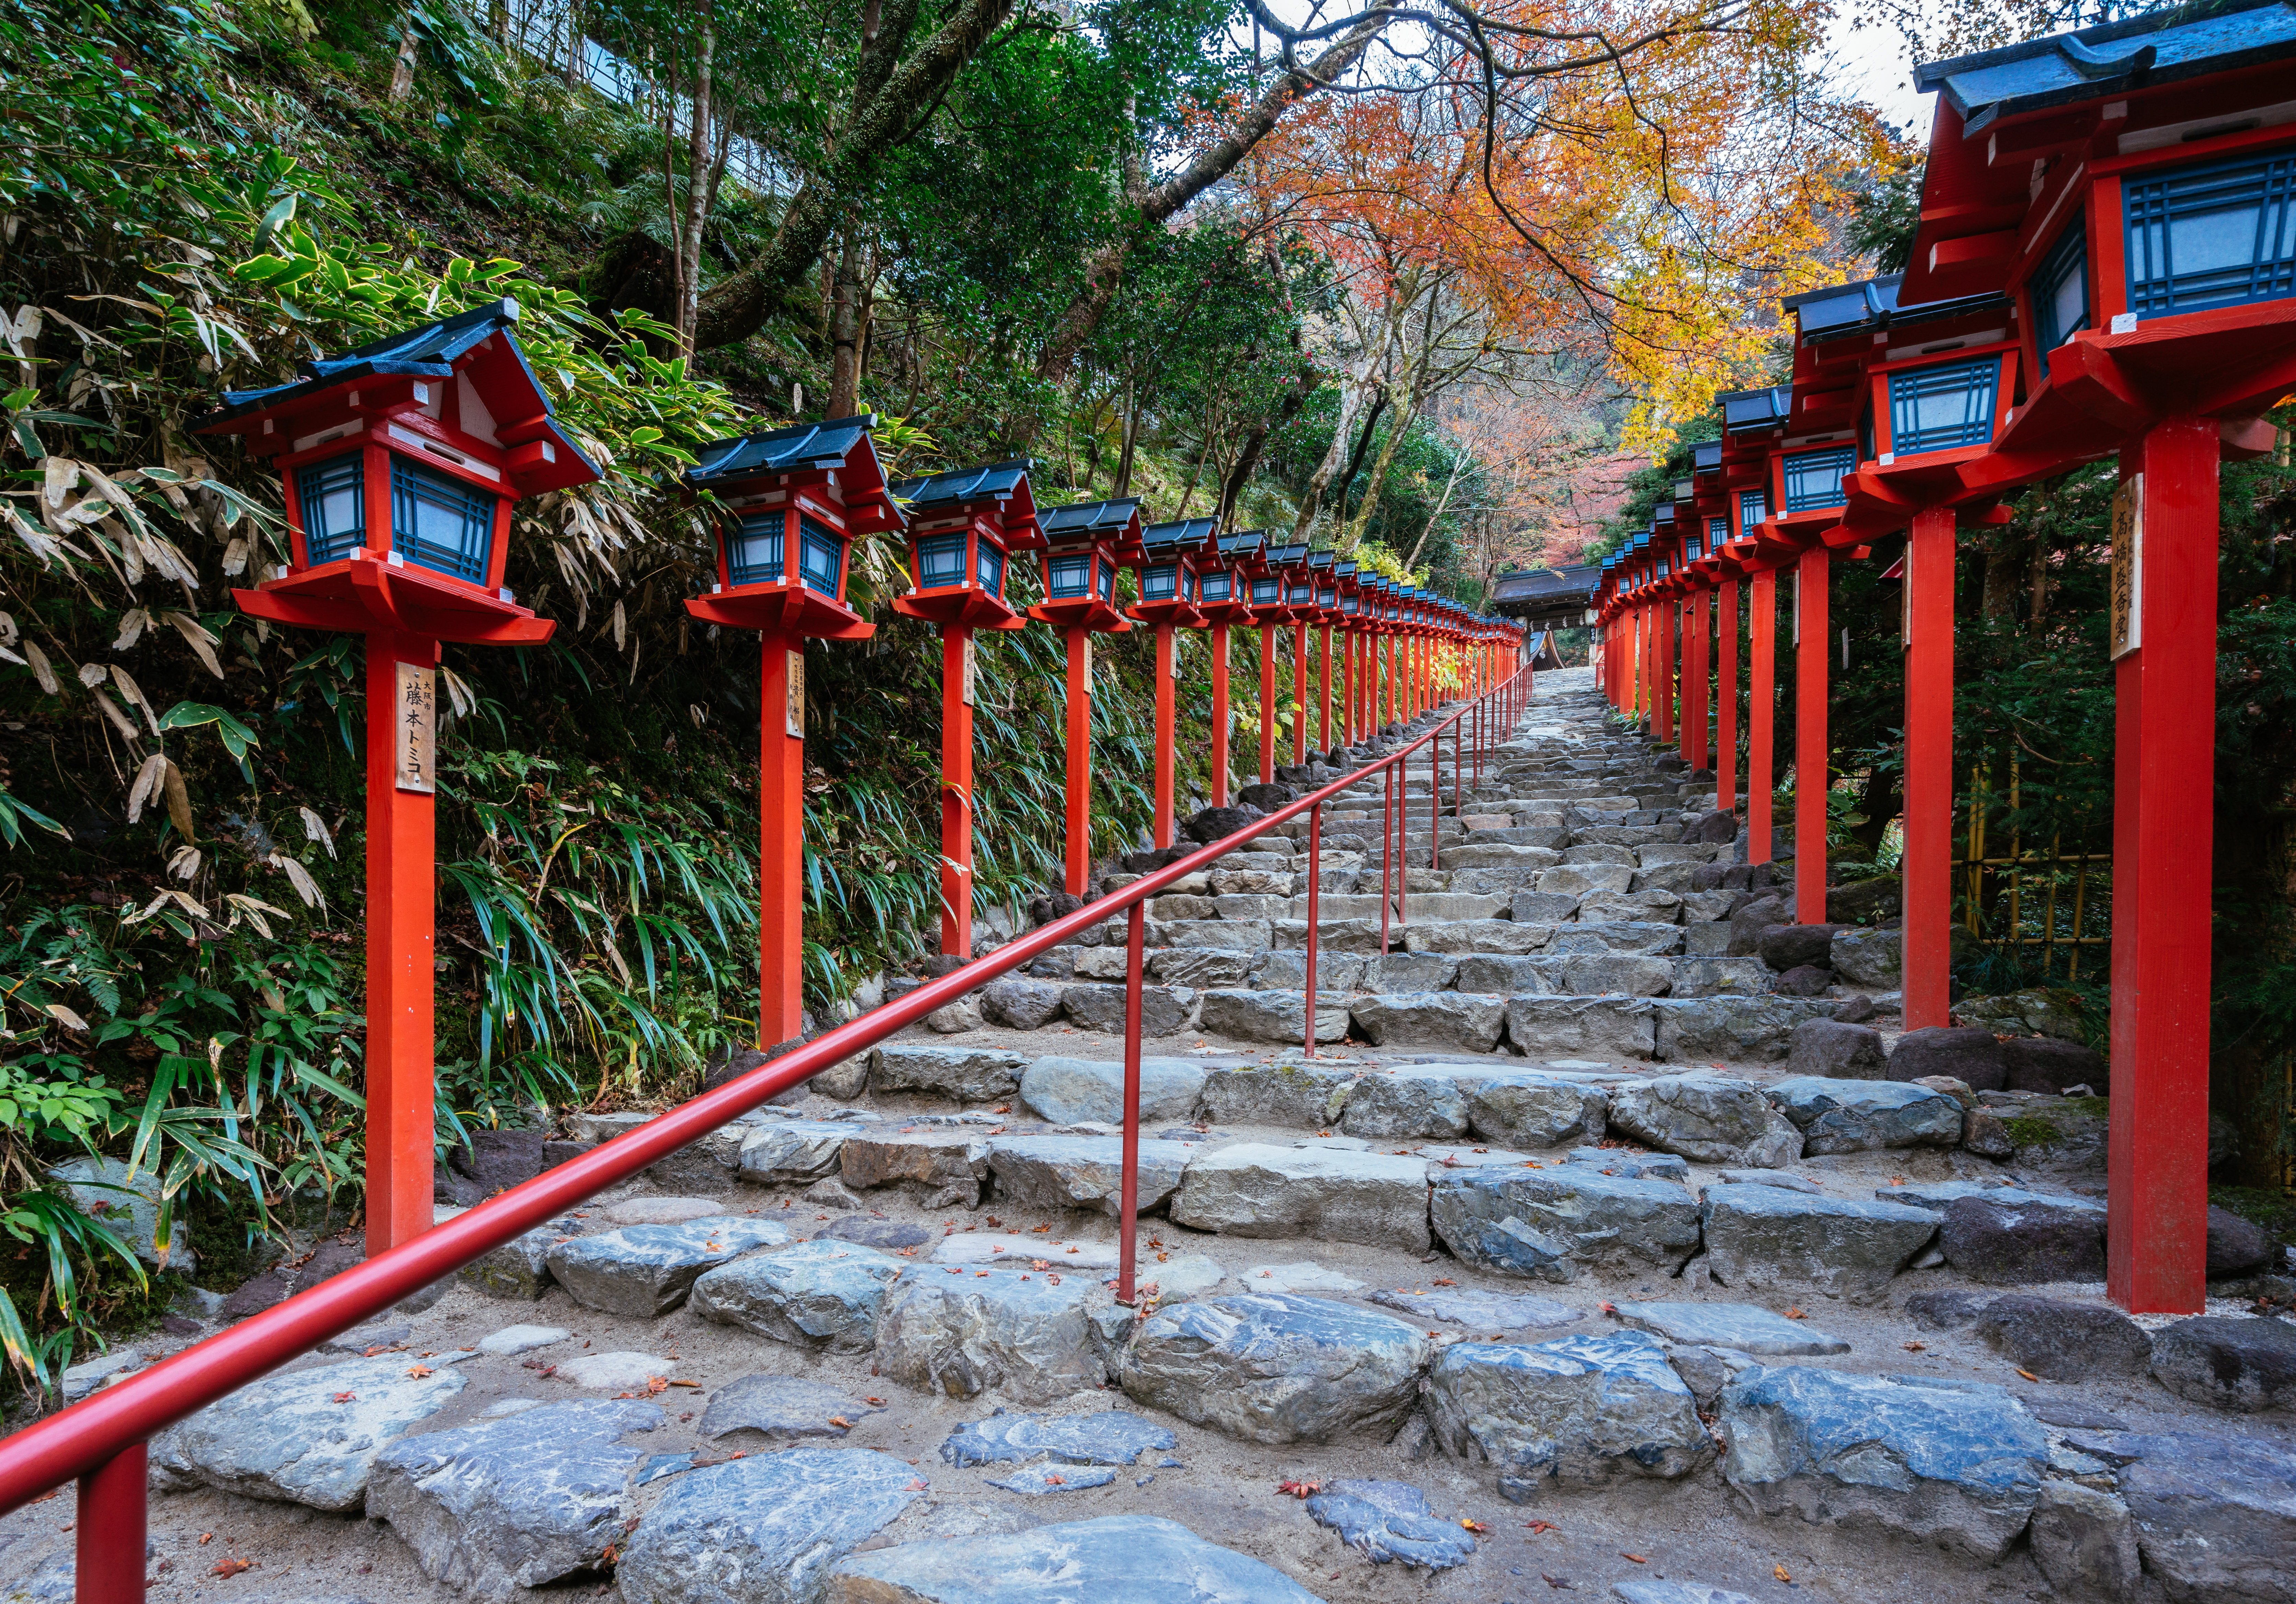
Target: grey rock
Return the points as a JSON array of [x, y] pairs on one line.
[[1719, 977], [1411, 1103], [1866, 957], [1035, 1481], [964, 1074], [2010, 1243], [1945, 1308], [2238, 1247], [1577, 1411], [1750, 919], [764, 1530], [1333, 934], [963, 1331], [514, 1503], [102, 1190], [1950, 1464], [1137, 1558], [1113, 1437], [1620, 974], [1017, 1003], [1278, 1368], [1287, 970], [514, 1340], [1865, 1115], [2215, 1514], [1583, 880], [2061, 1341], [792, 1153], [1509, 975], [941, 1166], [782, 1409], [1714, 1119], [1559, 1221], [1202, 967], [1385, 1521], [1477, 1310], [1936, 1195], [1611, 1027], [2244, 1364], [2039, 1064], [1256, 1189], [1651, 938], [1409, 972], [1964, 1052], [1308, 1096], [1836, 1051], [350, 1342], [1164, 1010], [1278, 1017], [823, 1296], [1477, 935], [1744, 1328], [1634, 1165], [1071, 1091], [2085, 1542], [955, 1018], [1732, 1028], [887, 1236], [286, 1439], [1786, 1179], [1761, 1236], [1525, 1110], [1545, 907], [648, 1270], [1080, 1171], [1456, 1021], [1675, 1592]]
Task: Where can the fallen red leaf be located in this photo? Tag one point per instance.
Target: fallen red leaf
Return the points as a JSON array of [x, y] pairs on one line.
[[1915, 1347], [1473, 1525], [880, 1403], [1445, 1280], [1637, 1559], [206, 1538], [1540, 1526], [1796, 1314], [840, 1423], [232, 1567], [1779, 1571], [347, 1397], [418, 1370], [1300, 1489], [2028, 1375]]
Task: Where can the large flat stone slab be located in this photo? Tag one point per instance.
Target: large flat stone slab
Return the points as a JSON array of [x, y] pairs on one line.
[[1136, 1558], [968, 1075], [1712, 1118], [1280, 1017], [1614, 1028], [1747, 1328], [1412, 1102], [792, 1153], [1307, 1096], [1080, 1171], [1256, 1189], [519, 1501], [308, 1437], [1477, 935], [1577, 1411], [1454, 1021], [1034, 1336], [1733, 1028], [764, 1530], [1948, 1464], [1477, 1310], [824, 1296], [1759, 1238], [1278, 1368], [1559, 1221], [1113, 1437], [942, 1166], [2215, 1513], [1389, 1521], [782, 1409], [1527, 1110], [1865, 1115], [648, 1270]]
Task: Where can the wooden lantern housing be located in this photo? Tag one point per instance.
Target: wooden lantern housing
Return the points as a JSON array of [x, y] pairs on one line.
[[1170, 582], [966, 526], [401, 459], [1085, 544]]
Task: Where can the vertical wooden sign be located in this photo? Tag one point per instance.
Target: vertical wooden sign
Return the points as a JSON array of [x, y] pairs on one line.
[[417, 729], [794, 713], [2127, 630], [971, 672]]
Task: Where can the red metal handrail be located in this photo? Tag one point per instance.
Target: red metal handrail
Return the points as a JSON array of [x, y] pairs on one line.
[[101, 1440]]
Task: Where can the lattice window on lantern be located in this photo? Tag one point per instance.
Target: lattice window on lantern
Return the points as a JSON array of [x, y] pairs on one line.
[[1266, 593], [2060, 288], [440, 522], [1300, 593], [1753, 506], [1159, 582], [820, 556], [1071, 574], [334, 494], [1107, 581], [992, 569], [2219, 234], [754, 549], [1814, 477], [1938, 408], [1219, 586], [1717, 533], [940, 560]]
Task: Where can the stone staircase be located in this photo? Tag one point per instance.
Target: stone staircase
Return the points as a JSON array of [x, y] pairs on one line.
[[1545, 1274]]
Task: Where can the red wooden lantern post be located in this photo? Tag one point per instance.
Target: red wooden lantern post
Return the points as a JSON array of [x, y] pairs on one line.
[[1168, 590], [789, 502], [1325, 568], [966, 526], [1300, 601], [1348, 591], [2128, 183], [401, 460], [1265, 568], [1086, 544], [1223, 599]]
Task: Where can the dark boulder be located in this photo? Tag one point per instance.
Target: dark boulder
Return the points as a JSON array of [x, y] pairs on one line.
[[2238, 1247], [2021, 1244], [1786, 946], [1719, 828], [1709, 877], [1019, 1004], [1865, 901], [1836, 1051], [1856, 1010], [1803, 980], [2241, 1363], [1217, 824], [1750, 919], [1945, 1308], [555, 1153], [490, 1162], [1962, 1051], [2061, 1341], [2041, 1064], [1267, 798], [1056, 905], [732, 1067]]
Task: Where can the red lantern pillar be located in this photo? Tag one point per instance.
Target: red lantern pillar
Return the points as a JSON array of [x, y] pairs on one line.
[[1167, 732], [1762, 718], [1267, 704], [1324, 669], [1811, 773], [1664, 663], [1219, 715], [1078, 867], [781, 839], [1726, 736], [1697, 663], [1299, 692], [2164, 776], [956, 792], [1929, 579]]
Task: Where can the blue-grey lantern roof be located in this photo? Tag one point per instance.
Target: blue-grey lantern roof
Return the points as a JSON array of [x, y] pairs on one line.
[[1664, 513], [797, 447], [1321, 561], [1345, 570], [1179, 537], [429, 352], [1869, 306], [1706, 457], [1756, 409], [1095, 520], [997, 481], [2097, 63], [1290, 555], [1241, 543]]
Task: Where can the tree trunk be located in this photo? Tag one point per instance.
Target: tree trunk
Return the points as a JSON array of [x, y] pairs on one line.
[[402, 65], [700, 175], [1363, 444], [845, 325], [1132, 410], [1398, 427]]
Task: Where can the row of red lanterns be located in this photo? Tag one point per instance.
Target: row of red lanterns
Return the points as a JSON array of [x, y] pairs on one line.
[[2105, 264], [402, 461]]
